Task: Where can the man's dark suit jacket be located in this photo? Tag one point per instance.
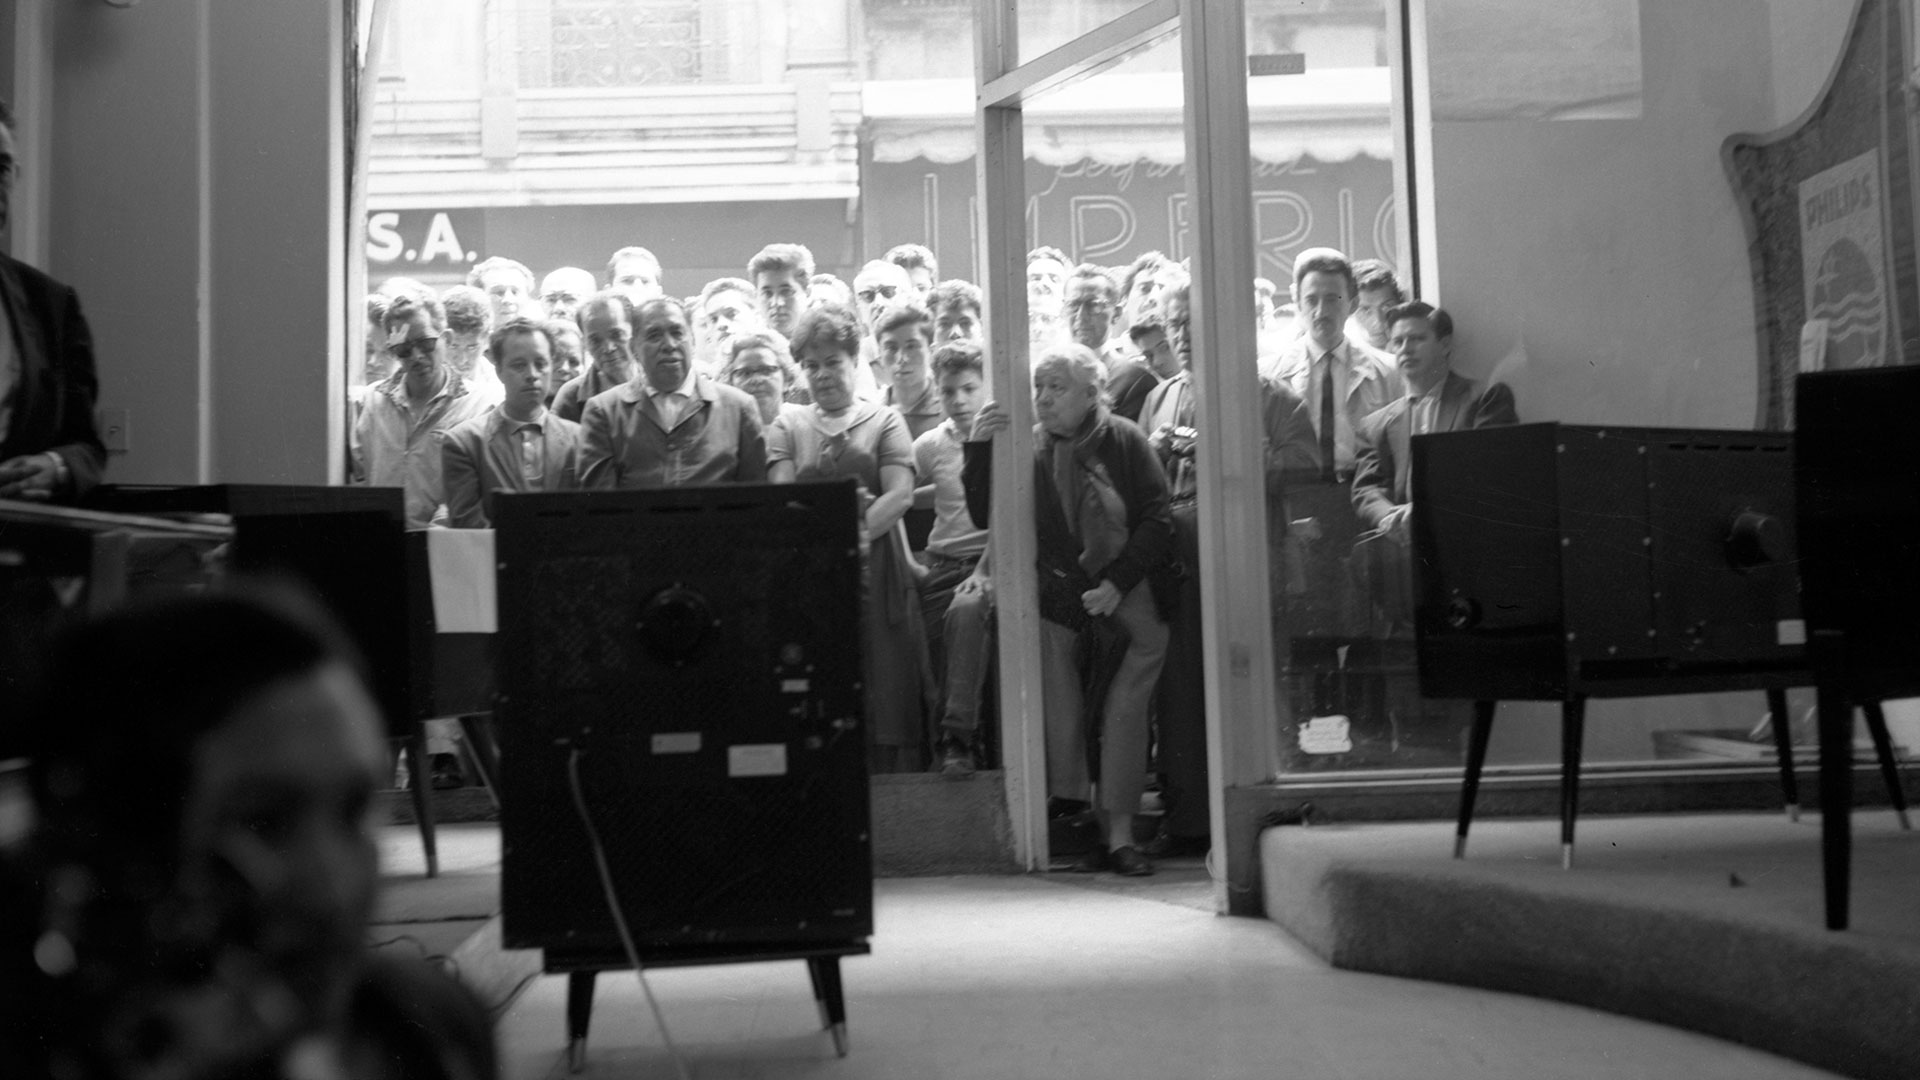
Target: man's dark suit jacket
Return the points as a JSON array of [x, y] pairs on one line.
[[1384, 462], [53, 403], [1128, 387]]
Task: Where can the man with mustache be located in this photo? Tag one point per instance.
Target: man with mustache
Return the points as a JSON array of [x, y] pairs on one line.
[[1341, 382], [670, 426]]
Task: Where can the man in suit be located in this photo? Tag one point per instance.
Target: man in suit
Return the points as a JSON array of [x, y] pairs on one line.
[[670, 426], [1437, 400], [1342, 382], [520, 445], [49, 446]]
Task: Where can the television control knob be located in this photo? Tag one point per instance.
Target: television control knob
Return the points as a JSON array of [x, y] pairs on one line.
[[676, 625], [1462, 613], [1756, 539]]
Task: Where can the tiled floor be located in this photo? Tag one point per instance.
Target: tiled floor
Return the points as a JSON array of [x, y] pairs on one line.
[[1040, 977]]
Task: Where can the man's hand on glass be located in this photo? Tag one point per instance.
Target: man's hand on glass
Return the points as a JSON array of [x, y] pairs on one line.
[[991, 420]]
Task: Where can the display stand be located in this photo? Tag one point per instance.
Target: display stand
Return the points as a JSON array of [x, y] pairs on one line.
[[822, 959], [1836, 784]]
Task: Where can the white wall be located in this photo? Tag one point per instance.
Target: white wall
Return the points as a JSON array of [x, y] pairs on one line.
[[1807, 35], [1601, 265]]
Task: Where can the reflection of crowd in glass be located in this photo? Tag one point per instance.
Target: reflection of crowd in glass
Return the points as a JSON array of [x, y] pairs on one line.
[[789, 374]]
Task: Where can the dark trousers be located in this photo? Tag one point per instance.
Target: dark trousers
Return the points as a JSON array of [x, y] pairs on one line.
[[1181, 699], [960, 639]]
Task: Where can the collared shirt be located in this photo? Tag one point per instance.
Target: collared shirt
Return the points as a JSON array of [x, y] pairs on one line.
[[1423, 409], [939, 458], [395, 446], [865, 441], [716, 439], [669, 404], [922, 414], [492, 452], [531, 437], [1364, 383]]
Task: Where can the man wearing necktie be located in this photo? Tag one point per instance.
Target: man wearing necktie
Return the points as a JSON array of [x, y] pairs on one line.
[[520, 445], [1343, 381], [1168, 414], [670, 426]]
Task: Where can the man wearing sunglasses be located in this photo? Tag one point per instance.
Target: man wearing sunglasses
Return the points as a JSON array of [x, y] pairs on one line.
[[395, 441]]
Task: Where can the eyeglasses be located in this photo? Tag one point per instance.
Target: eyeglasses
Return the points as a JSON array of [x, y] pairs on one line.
[[413, 347], [746, 374], [884, 292]]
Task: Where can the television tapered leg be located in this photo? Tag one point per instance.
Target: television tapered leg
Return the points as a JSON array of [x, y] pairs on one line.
[[1476, 758], [1782, 726], [1883, 749], [1573, 722]]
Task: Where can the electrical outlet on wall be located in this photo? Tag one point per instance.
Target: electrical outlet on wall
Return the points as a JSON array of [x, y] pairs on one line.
[[114, 430]]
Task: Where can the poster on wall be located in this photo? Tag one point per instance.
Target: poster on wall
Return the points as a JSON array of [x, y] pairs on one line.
[[1843, 258], [1829, 206]]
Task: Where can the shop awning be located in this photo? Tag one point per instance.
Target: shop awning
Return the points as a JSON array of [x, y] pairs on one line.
[[1332, 115]]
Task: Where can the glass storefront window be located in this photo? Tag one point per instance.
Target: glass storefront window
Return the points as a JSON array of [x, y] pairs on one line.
[[554, 132]]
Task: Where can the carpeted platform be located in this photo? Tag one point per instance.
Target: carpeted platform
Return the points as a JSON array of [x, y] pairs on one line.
[[1708, 922]]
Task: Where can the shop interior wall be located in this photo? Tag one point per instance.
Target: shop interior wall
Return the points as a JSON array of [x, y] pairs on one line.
[[194, 179], [1600, 267]]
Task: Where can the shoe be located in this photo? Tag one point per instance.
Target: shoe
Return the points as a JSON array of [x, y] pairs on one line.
[[1129, 862], [1058, 807], [1160, 846], [956, 759], [1094, 861]]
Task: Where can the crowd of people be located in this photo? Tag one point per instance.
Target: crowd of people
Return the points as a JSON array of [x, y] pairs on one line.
[[515, 383]]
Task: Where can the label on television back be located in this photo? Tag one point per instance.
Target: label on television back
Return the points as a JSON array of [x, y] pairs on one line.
[[757, 759], [676, 742]]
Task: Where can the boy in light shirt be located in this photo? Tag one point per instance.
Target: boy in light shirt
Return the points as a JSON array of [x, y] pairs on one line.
[[956, 597]]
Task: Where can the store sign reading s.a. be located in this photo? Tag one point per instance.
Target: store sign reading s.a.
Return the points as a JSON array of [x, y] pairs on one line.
[[426, 240]]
